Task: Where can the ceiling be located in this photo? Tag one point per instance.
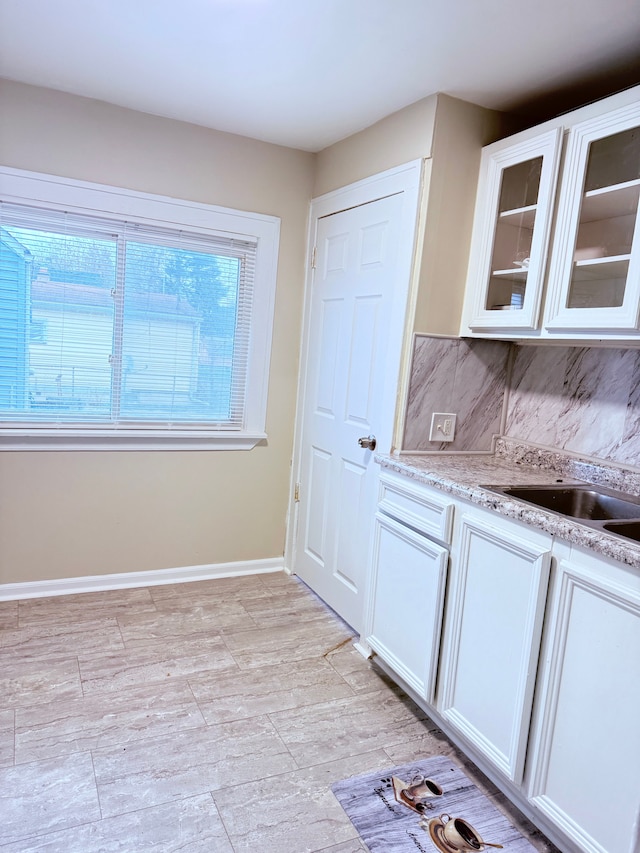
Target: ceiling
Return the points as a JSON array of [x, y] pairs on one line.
[[306, 73]]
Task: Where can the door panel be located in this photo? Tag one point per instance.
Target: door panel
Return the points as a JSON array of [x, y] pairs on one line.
[[363, 351], [328, 356], [352, 485], [318, 504]]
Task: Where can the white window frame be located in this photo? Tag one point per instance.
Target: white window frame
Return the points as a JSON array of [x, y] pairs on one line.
[[56, 193]]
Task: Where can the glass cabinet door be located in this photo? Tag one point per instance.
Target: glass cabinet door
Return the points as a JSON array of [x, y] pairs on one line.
[[595, 276], [516, 189]]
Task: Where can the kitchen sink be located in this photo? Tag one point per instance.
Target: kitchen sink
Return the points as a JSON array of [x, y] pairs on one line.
[[603, 509], [630, 529], [583, 502]]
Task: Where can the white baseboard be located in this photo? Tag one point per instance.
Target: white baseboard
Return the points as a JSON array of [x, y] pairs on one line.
[[124, 580]]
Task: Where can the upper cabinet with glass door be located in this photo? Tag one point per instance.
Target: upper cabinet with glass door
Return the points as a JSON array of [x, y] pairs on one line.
[[513, 218], [559, 259], [594, 278]]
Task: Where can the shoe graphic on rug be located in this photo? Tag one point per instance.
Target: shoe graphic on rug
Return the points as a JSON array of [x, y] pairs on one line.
[[382, 808], [455, 835], [417, 793]]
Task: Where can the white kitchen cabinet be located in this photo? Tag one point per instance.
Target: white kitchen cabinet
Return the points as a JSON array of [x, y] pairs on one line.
[[582, 279], [538, 675], [508, 257], [495, 610], [408, 580], [594, 281], [406, 589], [585, 757]]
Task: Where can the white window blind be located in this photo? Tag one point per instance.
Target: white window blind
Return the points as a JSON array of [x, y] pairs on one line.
[[110, 323]]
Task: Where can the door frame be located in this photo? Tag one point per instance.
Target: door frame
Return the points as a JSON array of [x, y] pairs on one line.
[[409, 180]]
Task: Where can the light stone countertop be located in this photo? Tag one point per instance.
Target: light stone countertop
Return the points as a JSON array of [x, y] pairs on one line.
[[464, 475]]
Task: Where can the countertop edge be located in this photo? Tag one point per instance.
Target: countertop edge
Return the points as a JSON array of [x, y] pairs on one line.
[[433, 472]]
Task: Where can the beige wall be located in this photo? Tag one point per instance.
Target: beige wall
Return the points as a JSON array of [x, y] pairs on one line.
[[404, 136], [74, 514], [448, 134], [85, 513], [460, 131]]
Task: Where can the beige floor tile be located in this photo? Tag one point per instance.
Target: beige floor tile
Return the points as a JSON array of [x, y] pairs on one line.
[[280, 585], [348, 727], [295, 812], [8, 615], [187, 622], [291, 707], [151, 661], [361, 674], [28, 682], [234, 695], [58, 640], [218, 589], [92, 722], [83, 606], [310, 638], [158, 770], [284, 608], [275, 581], [45, 796], [431, 742], [187, 826], [7, 738], [354, 846]]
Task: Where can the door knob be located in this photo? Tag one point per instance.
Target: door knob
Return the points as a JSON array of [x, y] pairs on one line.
[[368, 442]]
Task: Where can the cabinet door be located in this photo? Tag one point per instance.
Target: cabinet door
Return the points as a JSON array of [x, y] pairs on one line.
[[586, 754], [511, 232], [406, 598], [594, 279], [499, 576]]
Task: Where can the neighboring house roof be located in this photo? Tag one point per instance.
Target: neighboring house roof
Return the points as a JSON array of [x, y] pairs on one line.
[[10, 242], [89, 296]]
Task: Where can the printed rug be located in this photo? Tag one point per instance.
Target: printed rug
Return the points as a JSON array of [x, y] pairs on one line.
[[428, 805]]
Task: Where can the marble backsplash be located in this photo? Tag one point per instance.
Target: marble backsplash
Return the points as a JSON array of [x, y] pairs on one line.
[[459, 375], [582, 400]]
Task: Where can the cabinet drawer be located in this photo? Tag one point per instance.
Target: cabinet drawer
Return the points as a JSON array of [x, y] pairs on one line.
[[419, 507]]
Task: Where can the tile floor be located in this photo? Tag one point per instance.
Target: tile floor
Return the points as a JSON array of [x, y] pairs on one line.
[[210, 716]]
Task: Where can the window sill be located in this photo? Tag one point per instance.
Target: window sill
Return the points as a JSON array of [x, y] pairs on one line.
[[16, 440]]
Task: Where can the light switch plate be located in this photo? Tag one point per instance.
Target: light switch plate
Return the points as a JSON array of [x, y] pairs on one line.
[[443, 426]]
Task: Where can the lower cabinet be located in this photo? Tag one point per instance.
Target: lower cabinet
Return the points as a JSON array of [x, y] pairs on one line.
[[585, 758], [405, 606], [495, 611], [530, 659]]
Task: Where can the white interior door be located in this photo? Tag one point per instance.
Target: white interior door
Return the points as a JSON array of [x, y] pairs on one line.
[[355, 329]]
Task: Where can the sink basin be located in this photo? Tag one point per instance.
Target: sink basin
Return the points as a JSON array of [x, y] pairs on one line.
[[584, 502], [630, 529]]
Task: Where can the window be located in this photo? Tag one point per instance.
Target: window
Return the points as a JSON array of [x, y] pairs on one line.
[[129, 320]]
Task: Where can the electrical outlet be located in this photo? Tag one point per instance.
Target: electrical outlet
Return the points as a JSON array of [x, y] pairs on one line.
[[443, 427]]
